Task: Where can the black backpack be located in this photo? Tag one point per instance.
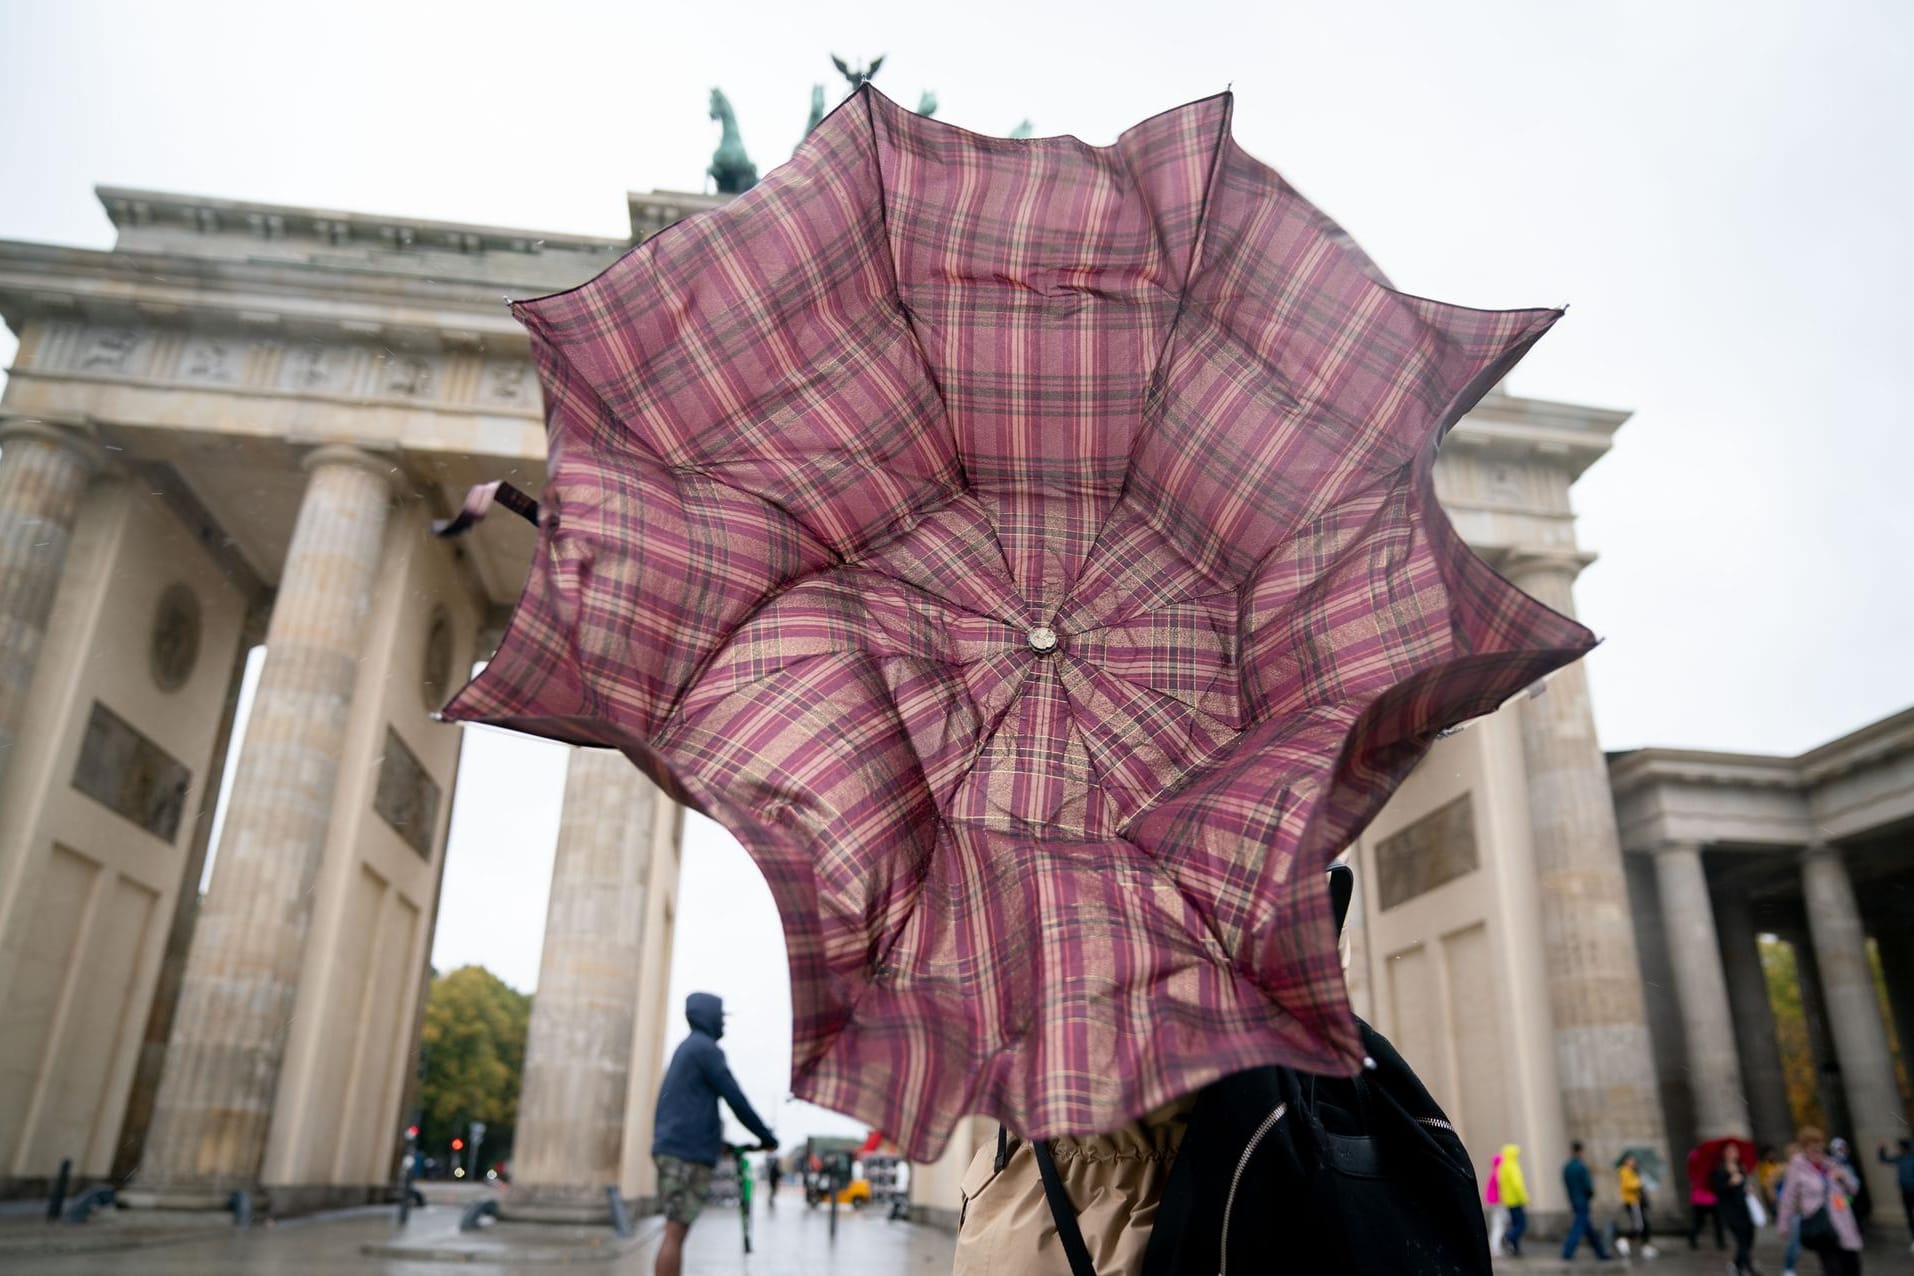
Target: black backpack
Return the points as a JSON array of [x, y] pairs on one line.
[[1309, 1173], [1320, 1174]]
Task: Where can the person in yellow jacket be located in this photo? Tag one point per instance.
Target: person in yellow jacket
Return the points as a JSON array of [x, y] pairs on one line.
[[1515, 1196], [1628, 1176]]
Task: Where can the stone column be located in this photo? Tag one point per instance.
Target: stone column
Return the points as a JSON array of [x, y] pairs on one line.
[[1701, 989], [1602, 1046], [44, 471], [1762, 1076], [1854, 1014], [229, 1035], [571, 1111]]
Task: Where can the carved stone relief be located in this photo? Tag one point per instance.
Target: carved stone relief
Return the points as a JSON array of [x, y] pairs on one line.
[[407, 376], [130, 775], [507, 384], [407, 797], [1437, 848], [108, 349], [174, 648], [312, 368], [220, 360], [303, 366]]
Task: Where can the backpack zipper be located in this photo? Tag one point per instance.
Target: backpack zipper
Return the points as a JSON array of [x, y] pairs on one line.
[[1436, 1123], [1236, 1179]]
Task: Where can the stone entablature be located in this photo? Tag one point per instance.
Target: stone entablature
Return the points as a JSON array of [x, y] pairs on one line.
[[155, 221], [1849, 787], [360, 371]]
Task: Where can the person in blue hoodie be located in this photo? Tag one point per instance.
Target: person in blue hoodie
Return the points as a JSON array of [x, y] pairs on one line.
[[688, 1133]]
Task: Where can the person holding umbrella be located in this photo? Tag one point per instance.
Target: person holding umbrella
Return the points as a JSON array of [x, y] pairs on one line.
[[1729, 1182], [1701, 1197], [876, 533]]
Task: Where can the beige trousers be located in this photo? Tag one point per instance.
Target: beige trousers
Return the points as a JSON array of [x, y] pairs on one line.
[[1115, 1181]]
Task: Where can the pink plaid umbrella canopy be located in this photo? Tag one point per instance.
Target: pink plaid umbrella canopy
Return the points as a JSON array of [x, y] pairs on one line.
[[1029, 551]]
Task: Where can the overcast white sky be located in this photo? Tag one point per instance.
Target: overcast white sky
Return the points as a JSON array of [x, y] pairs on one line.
[[1721, 190]]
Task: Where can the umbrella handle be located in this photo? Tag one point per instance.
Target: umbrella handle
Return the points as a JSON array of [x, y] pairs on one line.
[[1342, 888], [479, 502]]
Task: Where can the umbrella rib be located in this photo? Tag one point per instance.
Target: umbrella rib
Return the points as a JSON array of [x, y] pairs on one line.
[[1151, 609], [1187, 770], [1157, 863], [897, 288], [1153, 398], [940, 599], [1341, 499]]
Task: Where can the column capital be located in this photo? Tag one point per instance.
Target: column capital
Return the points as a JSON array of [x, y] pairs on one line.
[[1564, 561], [78, 440], [343, 454], [1675, 846]]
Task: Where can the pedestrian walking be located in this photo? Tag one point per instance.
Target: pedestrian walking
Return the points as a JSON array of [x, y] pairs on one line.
[[1842, 1155], [1701, 1200], [1515, 1196], [1903, 1163], [1791, 1230], [1730, 1184], [1580, 1186], [1817, 1194], [1634, 1196], [1768, 1170], [689, 1133], [1498, 1212]]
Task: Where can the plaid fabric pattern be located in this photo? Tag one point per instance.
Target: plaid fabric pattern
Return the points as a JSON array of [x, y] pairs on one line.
[[823, 458]]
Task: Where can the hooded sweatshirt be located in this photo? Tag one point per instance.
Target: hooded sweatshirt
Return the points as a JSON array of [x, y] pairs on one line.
[[687, 1124], [1514, 1191]]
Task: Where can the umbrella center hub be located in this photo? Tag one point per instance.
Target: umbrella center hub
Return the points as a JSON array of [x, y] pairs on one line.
[[1043, 640]]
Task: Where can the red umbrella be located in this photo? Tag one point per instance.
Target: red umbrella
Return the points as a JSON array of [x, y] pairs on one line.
[[1029, 550], [1703, 1159]]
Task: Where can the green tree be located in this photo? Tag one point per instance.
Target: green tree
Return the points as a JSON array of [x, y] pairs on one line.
[[1896, 1046], [1791, 1032], [474, 1045]]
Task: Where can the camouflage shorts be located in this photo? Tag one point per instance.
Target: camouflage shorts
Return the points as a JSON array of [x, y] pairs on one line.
[[682, 1188]]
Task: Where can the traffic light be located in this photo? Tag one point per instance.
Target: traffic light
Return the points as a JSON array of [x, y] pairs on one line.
[[458, 1145]]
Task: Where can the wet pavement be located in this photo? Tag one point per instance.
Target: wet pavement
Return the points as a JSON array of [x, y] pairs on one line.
[[790, 1241], [1887, 1255]]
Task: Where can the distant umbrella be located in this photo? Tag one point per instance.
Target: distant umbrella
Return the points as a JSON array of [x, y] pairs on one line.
[[1030, 551]]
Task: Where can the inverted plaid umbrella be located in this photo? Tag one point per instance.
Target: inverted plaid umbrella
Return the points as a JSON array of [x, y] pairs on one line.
[[1029, 551]]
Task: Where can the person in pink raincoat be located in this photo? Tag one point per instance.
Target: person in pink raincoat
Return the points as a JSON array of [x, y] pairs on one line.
[[1819, 1195], [1498, 1213]]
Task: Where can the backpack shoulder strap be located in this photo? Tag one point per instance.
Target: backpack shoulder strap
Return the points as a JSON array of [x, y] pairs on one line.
[[1063, 1211]]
